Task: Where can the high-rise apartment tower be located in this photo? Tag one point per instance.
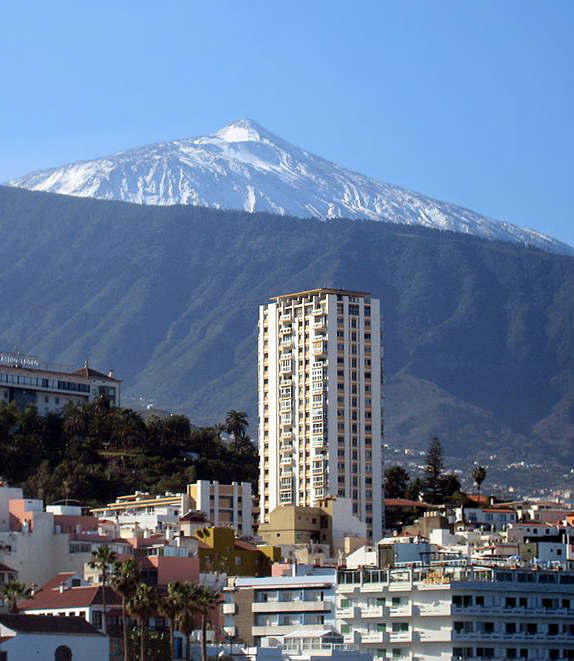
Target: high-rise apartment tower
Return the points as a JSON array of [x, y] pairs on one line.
[[320, 402]]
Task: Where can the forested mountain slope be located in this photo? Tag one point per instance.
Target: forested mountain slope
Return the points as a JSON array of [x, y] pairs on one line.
[[478, 335]]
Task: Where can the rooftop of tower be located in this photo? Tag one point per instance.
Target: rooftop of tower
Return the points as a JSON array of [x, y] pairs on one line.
[[322, 290]]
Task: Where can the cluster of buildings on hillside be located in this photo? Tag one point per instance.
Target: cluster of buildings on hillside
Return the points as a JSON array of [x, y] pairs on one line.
[[307, 568]]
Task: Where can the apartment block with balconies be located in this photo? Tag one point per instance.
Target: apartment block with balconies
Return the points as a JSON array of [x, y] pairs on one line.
[[458, 613], [319, 381], [262, 611]]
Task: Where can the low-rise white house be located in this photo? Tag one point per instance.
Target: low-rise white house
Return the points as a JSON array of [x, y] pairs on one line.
[[39, 638]]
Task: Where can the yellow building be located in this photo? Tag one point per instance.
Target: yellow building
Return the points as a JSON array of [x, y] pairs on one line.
[[221, 551], [330, 523]]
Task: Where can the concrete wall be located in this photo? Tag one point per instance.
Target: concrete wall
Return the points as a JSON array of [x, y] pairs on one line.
[[41, 647]]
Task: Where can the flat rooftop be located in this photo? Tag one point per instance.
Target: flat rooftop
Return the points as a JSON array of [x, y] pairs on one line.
[[322, 290]]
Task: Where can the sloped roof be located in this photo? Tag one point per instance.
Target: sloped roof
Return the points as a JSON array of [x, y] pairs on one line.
[[4, 568], [89, 372], [42, 624], [78, 597], [194, 515], [57, 580], [405, 502], [247, 546]]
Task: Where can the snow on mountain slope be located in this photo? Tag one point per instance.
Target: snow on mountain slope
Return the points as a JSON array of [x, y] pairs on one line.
[[243, 166]]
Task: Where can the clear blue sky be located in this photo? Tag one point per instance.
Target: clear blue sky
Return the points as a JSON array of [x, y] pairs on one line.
[[471, 102]]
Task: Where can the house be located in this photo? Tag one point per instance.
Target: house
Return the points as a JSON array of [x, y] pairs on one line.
[[62, 597], [27, 637]]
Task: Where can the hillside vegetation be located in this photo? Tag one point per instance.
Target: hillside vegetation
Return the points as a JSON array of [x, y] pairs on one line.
[[478, 335]]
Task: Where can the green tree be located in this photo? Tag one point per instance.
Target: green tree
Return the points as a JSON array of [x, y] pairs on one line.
[[478, 476], [103, 560], [142, 605], [170, 606], [396, 482], [205, 601], [12, 591], [433, 473], [124, 582], [237, 424], [185, 618], [449, 485]]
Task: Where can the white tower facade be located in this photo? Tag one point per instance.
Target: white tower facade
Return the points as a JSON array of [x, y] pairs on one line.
[[319, 380]]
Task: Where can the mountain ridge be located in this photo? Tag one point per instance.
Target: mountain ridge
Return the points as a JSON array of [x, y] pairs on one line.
[[478, 335], [244, 166]]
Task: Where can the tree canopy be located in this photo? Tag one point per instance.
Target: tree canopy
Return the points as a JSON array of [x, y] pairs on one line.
[[93, 453]]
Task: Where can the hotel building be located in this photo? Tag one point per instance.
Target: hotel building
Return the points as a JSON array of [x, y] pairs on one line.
[[27, 381], [319, 380]]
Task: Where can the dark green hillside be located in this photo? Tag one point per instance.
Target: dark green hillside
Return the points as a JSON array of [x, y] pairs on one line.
[[479, 336]]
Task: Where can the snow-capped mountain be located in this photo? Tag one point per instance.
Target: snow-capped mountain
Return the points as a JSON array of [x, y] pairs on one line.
[[243, 166]]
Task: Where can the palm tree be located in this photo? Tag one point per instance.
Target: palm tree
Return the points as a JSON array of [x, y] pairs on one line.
[[205, 600], [76, 420], [12, 592], [478, 475], [142, 605], [237, 424], [102, 560], [185, 618], [170, 605], [124, 583]]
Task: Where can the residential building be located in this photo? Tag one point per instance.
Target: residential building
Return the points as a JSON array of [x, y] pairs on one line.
[[221, 551], [319, 381], [224, 504], [328, 524], [26, 637], [38, 543], [489, 518], [262, 611], [26, 380], [153, 513], [458, 612]]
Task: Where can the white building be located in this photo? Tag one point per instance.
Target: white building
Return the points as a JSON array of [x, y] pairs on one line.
[[144, 511], [224, 504], [37, 543], [26, 380], [449, 612], [26, 637], [319, 380]]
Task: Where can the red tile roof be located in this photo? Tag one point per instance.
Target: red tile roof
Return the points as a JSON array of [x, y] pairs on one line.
[[57, 580], [79, 597], [89, 372], [247, 546], [405, 502]]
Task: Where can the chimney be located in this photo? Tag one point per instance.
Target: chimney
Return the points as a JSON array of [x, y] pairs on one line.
[[111, 374]]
